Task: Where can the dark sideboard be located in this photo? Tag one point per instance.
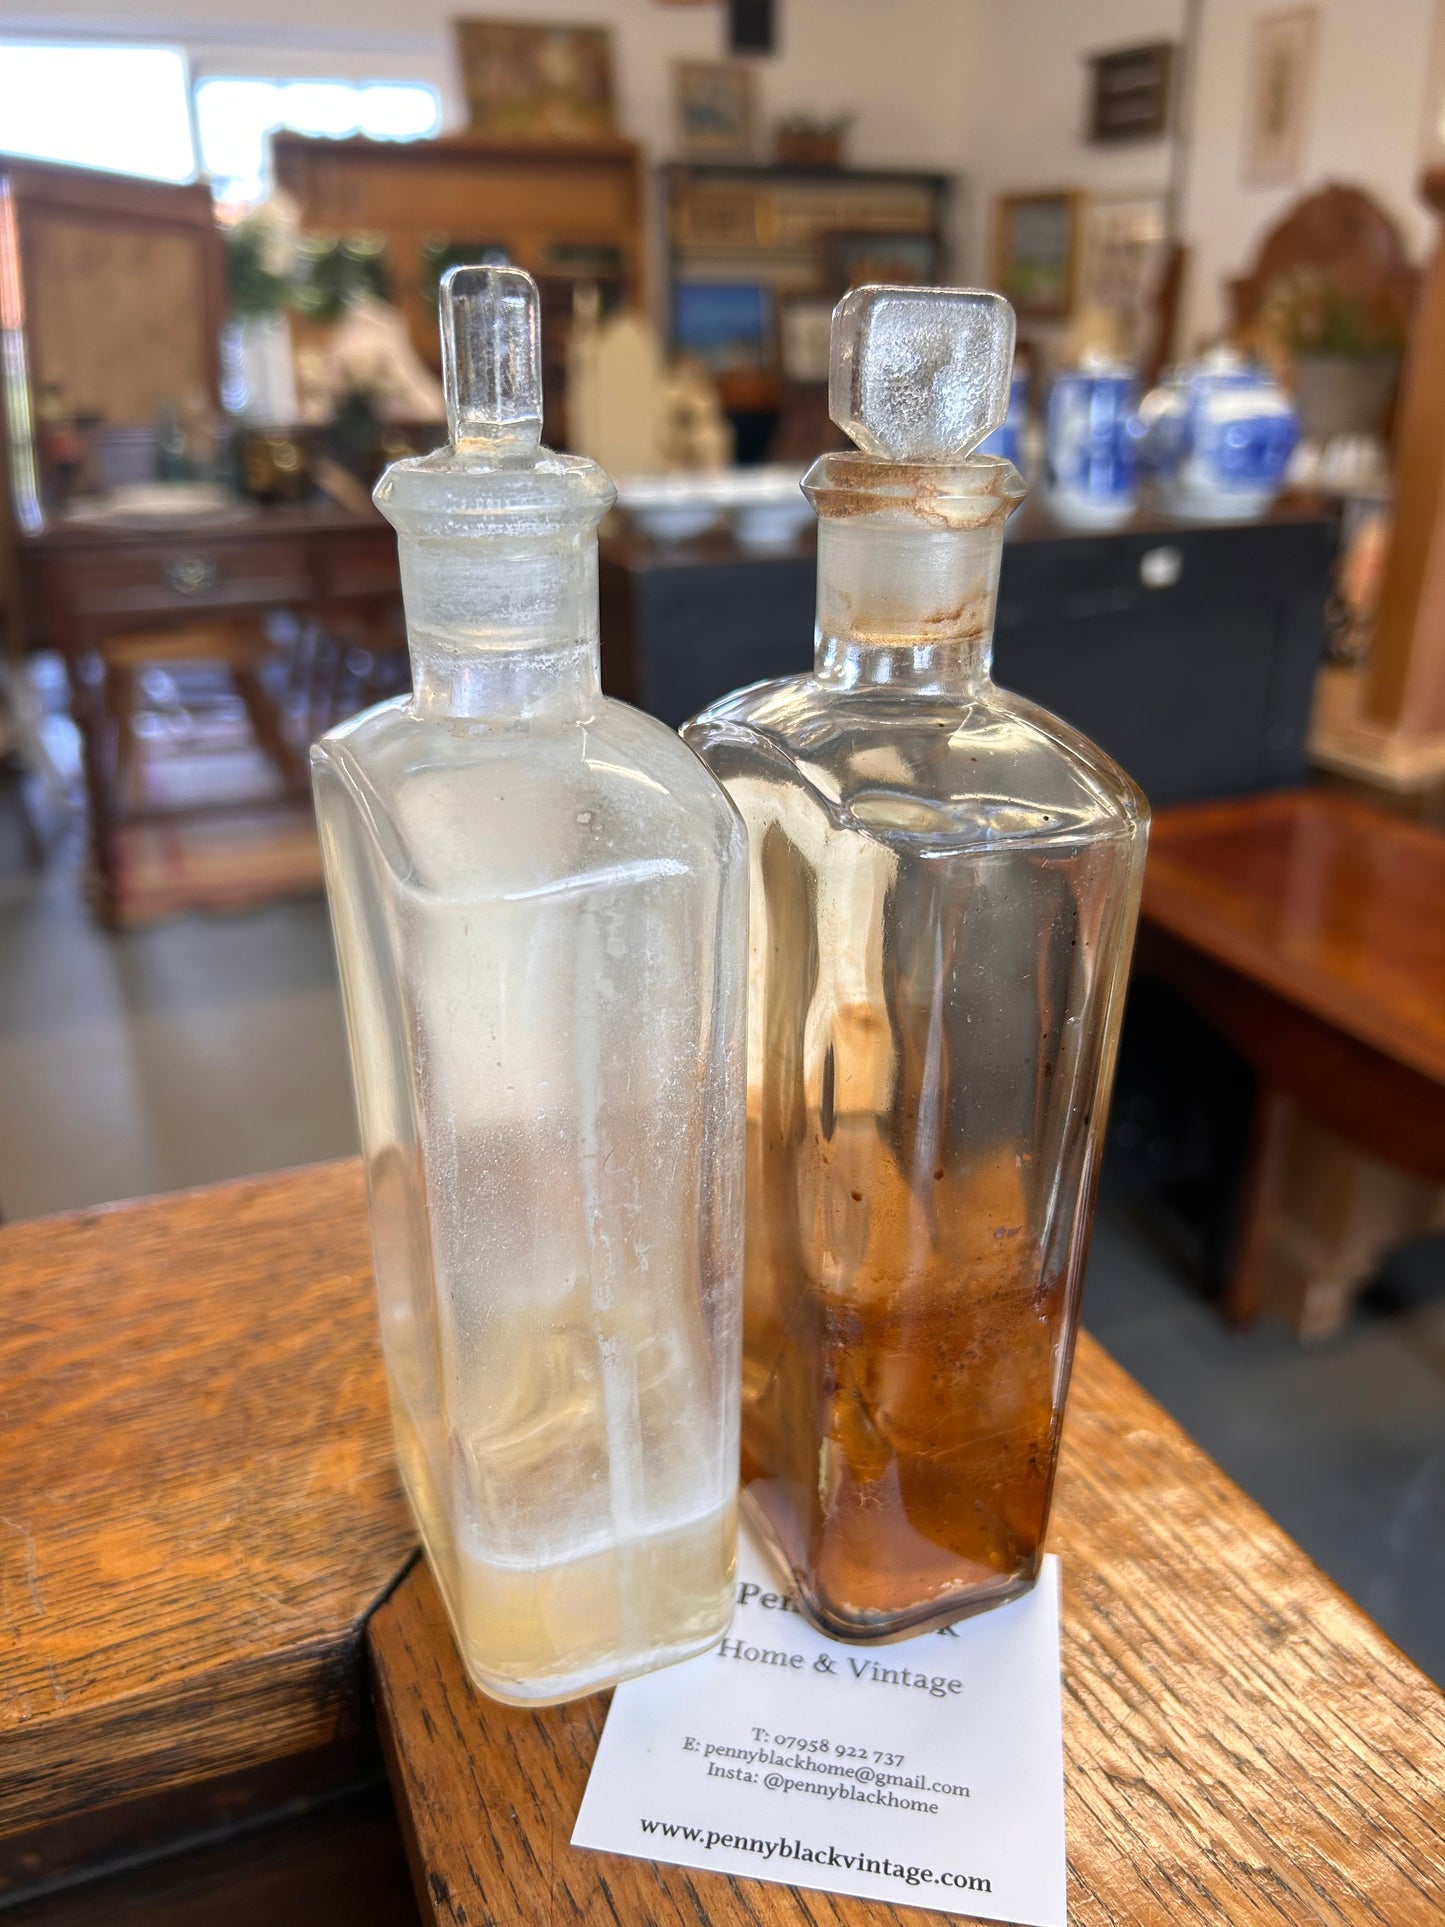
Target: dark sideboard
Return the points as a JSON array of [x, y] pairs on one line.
[[1187, 650]]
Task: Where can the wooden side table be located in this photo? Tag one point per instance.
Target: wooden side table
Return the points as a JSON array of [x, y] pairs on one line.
[[1310, 929], [91, 581], [204, 1551]]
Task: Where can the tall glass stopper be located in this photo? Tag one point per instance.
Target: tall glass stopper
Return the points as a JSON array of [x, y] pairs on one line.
[[920, 374], [492, 355], [537, 897]]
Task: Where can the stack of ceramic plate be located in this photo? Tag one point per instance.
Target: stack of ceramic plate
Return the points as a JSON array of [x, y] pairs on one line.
[[765, 506]]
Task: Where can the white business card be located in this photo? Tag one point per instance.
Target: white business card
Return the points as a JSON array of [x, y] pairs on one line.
[[927, 1773]]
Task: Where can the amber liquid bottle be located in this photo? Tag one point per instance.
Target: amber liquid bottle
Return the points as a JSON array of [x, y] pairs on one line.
[[943, 892]]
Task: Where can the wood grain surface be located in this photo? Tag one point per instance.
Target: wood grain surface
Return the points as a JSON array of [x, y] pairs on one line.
[[1328, 903], [1242, 1746], [198, 1508], [1368, 1096], [198, 1511]]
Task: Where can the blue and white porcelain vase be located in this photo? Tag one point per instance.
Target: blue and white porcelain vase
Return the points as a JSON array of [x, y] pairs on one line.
[[1218, 436], [1007, 440], [1089, 441]]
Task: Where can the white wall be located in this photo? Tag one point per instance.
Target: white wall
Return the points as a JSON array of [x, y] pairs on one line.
[[991, 89], [1366, 125], [1028, 108], [895, 64], [1366, 129]]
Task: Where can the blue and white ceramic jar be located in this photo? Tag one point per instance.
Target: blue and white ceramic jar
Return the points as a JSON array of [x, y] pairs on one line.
[[1089, 440], [1219, 437], [1007, 440]]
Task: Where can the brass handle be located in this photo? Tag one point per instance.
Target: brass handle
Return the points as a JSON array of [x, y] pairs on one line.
[[192, 574]]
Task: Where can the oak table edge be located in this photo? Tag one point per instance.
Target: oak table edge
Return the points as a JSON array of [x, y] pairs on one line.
[[211, 1725], [1180, 901], [486, 1794]]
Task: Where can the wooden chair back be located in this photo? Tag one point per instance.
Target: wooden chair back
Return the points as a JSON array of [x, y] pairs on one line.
[[111, 286]]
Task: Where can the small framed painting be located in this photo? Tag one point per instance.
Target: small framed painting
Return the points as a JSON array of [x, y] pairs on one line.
[[805, 333], [1035, 251], [726, 324], [536, 83], [715, 103], [1123, 244], [1281, 84]]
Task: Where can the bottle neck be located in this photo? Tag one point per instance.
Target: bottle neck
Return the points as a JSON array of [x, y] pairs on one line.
[[906, 605], [503, 631]]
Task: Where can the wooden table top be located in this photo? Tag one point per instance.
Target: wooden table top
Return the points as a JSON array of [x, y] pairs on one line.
[[201, 1518], [1334, 905], [1241, 1745], [61, 535], [198, 1509]]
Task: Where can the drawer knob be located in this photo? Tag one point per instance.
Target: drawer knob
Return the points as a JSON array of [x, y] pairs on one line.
[[192, 574], [1161, 568]]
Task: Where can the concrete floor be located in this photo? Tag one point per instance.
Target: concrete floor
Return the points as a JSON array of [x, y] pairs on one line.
[[1342, 1441], [201, 1049], [213, 1047]]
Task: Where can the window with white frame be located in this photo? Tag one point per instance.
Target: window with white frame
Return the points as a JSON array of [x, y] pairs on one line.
[[124, 109], [235, 115], [132, 110]]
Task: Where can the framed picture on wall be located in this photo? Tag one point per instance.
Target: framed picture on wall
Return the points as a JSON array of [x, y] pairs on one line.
[[1129, 93], [1035, 251], [805, 330], [715, 106], [536, 83], [726, 324], [1281, 88], [1123, 251]]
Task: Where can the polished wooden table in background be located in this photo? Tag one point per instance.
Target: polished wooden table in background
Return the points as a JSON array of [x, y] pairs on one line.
[[1309, 928], [206, 1563]]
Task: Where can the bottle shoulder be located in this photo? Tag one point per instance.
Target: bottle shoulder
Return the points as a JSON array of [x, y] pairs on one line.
[[957, 769], [458, 806]]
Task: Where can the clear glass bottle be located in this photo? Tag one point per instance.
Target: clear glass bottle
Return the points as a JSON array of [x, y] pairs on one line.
[[538, 898], [944, 886]]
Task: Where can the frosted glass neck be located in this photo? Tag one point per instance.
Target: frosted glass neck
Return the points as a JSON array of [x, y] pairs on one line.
[[906, 607], [910, 528], [503, 632], [908, 565], [496, 534]]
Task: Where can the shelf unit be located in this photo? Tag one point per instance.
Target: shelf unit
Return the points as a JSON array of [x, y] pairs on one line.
[[789, 230], [568, 214]]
